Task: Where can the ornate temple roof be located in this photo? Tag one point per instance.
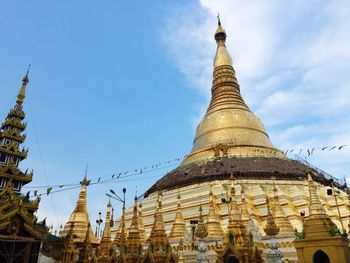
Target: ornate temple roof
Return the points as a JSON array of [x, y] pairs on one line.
[[11, 138]]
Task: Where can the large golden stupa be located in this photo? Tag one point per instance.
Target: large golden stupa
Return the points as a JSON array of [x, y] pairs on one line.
[[232, 156]]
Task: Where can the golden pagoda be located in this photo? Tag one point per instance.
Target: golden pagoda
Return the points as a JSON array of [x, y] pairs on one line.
[[231, 139], [159, 249], [141, 225], [105, 250], [134, 245], [213, 224], [21, 235], [78, 223], [178, 229]]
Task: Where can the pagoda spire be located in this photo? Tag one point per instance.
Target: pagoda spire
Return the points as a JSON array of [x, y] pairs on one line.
[[141, 225], [11, 137], [79, 219], [280, 217], [244, 207], [105, 246], [315, 206], [158, 236], [318, 224], [213, 223], [235, 227], [22, 93], [134, 247], [178, 230], [229, 127]]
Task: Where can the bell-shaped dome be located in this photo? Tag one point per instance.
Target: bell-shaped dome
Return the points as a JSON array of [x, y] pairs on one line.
[[229, 128]]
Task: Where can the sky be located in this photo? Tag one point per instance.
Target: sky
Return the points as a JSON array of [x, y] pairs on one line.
[[122, 85]]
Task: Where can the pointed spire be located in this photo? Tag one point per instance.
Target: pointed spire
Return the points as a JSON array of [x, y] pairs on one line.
[[158, 236], [134, 249], [79, 219], [244, 207], [11, 134], [315, 206], [222, 57], [111, 223], [178, 230], [141, 225], [281, 219], [123, 234], [22, 93], [213, 222]]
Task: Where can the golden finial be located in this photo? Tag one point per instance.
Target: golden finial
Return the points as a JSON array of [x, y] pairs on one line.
[[218, 17], [85, 181], [22, 93], [26, 78], [220, 34]]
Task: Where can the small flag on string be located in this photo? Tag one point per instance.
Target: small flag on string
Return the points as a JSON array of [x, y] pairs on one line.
[[332, 148], [99, 179], [300, 151], [48, 191], [35, 192], [125, 172], [324, 148], [118, 176], [312, 151], [113, 175], [308, 152], [341, 147], [61, 186], [291, 151], [140, 171]]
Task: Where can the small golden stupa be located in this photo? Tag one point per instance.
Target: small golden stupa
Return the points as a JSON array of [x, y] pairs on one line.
[[79, 223]]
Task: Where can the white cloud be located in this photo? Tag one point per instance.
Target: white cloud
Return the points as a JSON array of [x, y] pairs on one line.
[[292, 61]]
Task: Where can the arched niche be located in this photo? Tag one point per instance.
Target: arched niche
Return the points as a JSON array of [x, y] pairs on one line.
[[320, 257]]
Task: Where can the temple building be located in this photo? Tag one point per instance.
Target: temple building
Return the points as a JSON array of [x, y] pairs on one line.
[[21, 235], [234, 198], [233, 173]]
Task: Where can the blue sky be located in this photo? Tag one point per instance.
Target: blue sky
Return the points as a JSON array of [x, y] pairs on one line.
[[123, 84]]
